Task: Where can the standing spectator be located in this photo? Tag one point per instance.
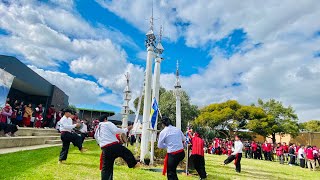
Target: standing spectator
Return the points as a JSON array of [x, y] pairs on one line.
[[38, 116], [197, 155], [302, 156], [266, 148], [286, 151], [6, 112], [310, 159], [316, 155], [254, 147], [20, 113], [49, 119], [15, 108], [27, 115], [279, 152], [259, 151], [292, 151], [247, 147]]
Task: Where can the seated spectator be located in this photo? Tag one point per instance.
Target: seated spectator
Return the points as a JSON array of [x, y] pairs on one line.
[[9, 129], [5, 114]]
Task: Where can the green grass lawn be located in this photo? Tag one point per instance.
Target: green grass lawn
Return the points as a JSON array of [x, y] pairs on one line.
[[42, 164]]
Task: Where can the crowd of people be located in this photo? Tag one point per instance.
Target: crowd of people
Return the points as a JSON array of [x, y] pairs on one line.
[[304, 156], [17, 114]]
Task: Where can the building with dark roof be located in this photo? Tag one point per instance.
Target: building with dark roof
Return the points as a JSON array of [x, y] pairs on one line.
[[30, 87]]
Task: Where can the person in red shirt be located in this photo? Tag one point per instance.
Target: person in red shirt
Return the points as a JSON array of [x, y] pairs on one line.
[[254, 147], [266, 148], [310, 159], [197, 155], [279, 152], [285, 151]]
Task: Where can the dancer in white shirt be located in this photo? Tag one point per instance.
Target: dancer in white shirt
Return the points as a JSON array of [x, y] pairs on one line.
[[238, 146], [66, 127], [105, 135], [172, 139]]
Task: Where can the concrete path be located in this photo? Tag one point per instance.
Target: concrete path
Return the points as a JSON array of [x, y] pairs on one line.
[[25, 148]]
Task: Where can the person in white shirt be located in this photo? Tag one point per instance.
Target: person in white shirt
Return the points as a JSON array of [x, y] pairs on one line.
[[238, 146], [172, 139], [67, 136], [302, 156], [83, 131], [105, 135]]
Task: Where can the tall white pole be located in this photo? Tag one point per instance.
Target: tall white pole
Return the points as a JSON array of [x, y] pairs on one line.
[[178, 112], [147, 105], [155, 93], [178, 101], [127, 98]]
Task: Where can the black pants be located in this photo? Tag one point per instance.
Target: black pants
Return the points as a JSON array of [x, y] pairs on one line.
[[83, 137], [48, 122], [8, 128], [173, 161], [67, 138], [254, 154], [302, 163], [112, 152], [292, 159], [199, 165], [267, 156], [237, 162]]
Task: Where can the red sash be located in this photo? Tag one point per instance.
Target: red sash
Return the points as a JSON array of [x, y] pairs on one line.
[[101, 155], [164, 171], [236, 159]]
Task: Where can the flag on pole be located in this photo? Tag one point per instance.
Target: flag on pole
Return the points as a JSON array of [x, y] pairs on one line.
[[154, 112], [188, 134]]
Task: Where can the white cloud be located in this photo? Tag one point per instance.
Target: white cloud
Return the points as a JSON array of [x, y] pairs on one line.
[[48, 34], [80, 91], [200, 22]]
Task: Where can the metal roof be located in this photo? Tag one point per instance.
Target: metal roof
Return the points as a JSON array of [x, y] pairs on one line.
[[26, 80]]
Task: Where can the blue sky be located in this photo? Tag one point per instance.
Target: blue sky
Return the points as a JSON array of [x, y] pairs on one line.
[[226, 50]]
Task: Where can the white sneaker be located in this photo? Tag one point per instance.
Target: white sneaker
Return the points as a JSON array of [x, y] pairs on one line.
[[7, 135]]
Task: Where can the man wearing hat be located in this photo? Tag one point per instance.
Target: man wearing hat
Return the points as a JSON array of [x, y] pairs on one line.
[[111, 148], [67, 135], [172, 139]]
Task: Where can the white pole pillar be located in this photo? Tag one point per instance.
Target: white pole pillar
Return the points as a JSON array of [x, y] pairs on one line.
[[155, 93], [178, 110], [147, 105]]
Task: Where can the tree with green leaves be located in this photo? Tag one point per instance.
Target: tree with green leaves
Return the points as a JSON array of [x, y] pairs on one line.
[[228, 116], [277, 119], [311, 126], [167, 106]]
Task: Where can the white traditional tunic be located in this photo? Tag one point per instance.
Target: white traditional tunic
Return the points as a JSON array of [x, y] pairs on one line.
[[66, 124], [238, 146], [171, 138], [106, 133]]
